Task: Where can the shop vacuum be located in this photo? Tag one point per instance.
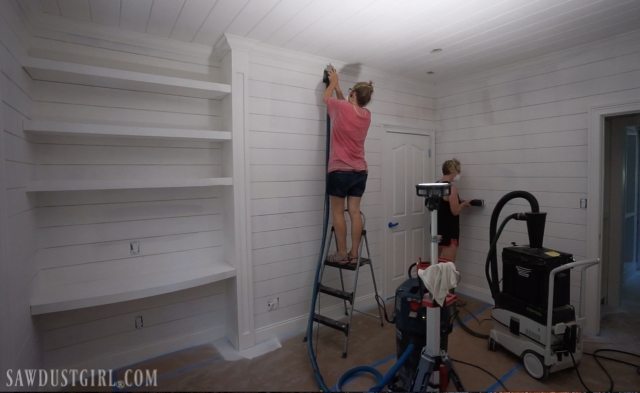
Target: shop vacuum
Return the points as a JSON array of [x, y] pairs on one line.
[[533, 315]]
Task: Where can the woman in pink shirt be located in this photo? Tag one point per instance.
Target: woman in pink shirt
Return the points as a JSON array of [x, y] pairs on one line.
[[347, 167]]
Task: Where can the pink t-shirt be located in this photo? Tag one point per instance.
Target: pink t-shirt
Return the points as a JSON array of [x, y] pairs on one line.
[[348, 131]]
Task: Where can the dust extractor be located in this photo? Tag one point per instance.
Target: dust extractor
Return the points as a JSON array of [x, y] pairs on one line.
[[533, 316]]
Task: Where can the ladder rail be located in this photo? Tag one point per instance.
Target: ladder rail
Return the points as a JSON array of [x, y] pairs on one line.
[[348, 298]]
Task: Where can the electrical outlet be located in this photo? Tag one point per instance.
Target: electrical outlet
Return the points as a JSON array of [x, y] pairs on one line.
[[583, 203], [272, 304], [138, 322], [134, 247]]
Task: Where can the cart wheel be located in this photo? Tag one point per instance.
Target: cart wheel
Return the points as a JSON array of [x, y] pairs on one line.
[[493, 345], [534, 365]]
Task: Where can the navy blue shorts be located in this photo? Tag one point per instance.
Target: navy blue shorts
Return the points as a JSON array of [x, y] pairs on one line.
[[343, 184]]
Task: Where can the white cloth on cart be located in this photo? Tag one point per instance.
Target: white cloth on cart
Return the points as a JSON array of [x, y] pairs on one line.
[[439, 279]]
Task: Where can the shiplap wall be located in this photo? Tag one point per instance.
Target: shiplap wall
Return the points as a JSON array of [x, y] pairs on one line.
[[525, 127], [95, 227], [287, 131], [18, 337]]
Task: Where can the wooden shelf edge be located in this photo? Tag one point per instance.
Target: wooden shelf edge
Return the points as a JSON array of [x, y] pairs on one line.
[[45, 303], [47, 69], [52, 127], [97, 185]]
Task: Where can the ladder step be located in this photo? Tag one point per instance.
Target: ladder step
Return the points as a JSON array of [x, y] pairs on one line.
[[332, 323], [336, 292], [349, 266]]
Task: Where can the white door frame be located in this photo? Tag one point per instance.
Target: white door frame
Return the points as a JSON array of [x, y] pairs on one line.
[[595, 193], [396, 129]]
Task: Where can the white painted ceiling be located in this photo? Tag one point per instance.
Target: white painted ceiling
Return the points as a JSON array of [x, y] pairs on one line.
[[393, 35]]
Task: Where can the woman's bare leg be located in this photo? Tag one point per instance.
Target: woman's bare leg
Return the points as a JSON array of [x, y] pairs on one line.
[[353, 205], [339, 225]]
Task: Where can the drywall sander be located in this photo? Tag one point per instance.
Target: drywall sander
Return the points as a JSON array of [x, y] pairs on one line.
[[477, 202], [325, 77]]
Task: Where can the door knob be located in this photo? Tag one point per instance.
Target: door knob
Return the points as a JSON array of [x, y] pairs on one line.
[[393, 224]]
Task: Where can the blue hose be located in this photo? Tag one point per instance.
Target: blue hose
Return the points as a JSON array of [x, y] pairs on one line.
[[393, 370], [356, 371], [381, 381]]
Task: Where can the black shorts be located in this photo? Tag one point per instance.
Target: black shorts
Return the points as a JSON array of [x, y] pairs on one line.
[[343, 184]]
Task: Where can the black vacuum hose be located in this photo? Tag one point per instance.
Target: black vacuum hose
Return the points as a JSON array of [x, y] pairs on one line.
[[491, 266], [316, 280]]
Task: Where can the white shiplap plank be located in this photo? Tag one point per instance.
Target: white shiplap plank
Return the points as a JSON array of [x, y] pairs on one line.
[[164, 14], [251, 15], [329, 27], [546, 78], [78, 214], [105, 12], [267, 206], [75, 9], [124, 116], [86, 286], [103, 251], [286, 236], [135, 14], [117, 231], [193, 14], [283, 13], [118, 324], [218, 21], [50, 7], [124, 99], [157, 340], [62, 154], [305, 18], [63, 319], [137, 176], [281, 124], [528, 141], [523, 127]]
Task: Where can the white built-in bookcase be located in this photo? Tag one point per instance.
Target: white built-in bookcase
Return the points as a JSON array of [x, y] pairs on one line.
[[63, 285]]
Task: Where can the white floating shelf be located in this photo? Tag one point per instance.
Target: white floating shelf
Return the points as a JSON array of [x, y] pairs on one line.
[[50, 127], [96, 291], [60, 71], [91, 185]]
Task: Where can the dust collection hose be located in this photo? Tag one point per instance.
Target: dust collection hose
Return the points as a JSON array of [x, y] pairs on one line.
[[316, 280], [491, 265]]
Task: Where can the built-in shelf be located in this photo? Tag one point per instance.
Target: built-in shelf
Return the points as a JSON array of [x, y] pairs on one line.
[[51, 295], [128, 184], [60, 71], [51, 127]]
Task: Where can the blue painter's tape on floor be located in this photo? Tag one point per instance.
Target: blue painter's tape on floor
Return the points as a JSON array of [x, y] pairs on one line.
[[504, 378]]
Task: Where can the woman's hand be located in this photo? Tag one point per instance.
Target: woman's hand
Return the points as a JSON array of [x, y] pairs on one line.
[[333, 77]]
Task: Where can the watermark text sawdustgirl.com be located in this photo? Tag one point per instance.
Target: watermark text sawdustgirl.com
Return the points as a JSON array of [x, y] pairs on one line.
[[53, 378]]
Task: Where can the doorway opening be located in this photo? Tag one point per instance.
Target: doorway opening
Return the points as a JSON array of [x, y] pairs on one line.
[[620, 279]]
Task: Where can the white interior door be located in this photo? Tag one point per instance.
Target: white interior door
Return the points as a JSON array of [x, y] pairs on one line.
[[406, 162]]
